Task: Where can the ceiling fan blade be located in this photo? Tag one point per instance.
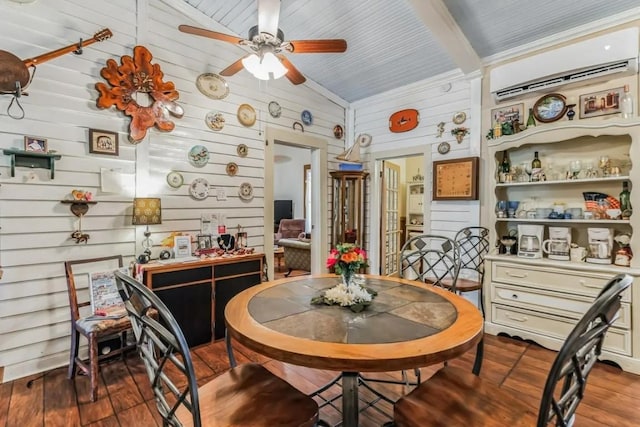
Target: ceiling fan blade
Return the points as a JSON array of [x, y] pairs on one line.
[[317, 46], [211, 34], [233, 68], [268, 16], [293, 74]]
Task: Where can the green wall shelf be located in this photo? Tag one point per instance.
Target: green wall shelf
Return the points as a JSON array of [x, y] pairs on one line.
[[31, 159]]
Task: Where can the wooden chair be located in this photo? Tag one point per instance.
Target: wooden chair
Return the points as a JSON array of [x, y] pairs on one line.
[[91, 328], [473, 244], [453, 397], [246, 395]]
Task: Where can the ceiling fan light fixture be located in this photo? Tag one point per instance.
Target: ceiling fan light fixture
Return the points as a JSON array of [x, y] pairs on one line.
[[264, 68]]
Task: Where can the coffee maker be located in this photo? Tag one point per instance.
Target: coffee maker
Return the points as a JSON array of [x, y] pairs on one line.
[[530, 240], [558, 244], [599, 245]]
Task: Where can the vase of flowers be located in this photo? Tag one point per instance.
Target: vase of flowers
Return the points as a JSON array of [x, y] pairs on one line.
[[346, 259]]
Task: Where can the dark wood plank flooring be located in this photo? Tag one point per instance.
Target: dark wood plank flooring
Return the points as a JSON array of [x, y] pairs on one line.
[[125, 398]]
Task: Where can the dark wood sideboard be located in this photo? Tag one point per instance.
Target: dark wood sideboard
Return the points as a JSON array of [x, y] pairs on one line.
[[197, 292]]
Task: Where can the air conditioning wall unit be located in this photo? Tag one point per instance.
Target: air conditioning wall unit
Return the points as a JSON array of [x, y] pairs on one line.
[[605, 57]]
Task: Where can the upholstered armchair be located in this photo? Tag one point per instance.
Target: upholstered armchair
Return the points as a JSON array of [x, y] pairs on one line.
[[289, 229], [297, 254]]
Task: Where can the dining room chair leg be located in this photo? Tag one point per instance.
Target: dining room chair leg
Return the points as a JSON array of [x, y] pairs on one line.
[[227, 340], [93, 366], [73, 353], [477, 363]]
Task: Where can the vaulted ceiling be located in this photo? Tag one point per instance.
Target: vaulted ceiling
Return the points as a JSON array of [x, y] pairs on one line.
[[392, 43]]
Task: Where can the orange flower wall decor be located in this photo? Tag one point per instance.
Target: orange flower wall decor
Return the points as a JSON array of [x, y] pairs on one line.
[[138, 75]]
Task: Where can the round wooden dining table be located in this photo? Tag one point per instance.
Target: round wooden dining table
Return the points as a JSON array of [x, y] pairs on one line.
[[408, 325]]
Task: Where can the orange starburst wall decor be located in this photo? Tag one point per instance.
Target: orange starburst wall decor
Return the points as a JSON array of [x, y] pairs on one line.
[[129, 82]]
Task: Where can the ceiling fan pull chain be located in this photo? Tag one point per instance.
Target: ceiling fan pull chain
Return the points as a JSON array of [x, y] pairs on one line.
[[14, 98]]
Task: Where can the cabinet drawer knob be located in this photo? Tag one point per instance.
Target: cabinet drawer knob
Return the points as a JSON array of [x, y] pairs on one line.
[[517, 318], [518, 275], [514, 296]]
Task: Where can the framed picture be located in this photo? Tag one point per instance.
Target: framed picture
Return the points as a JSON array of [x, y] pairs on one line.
[[600, 103], [550, 108], [509, 113], [204, 241], [456, 179], [241, 239], [35, 144], [103, 142], [182, 246]]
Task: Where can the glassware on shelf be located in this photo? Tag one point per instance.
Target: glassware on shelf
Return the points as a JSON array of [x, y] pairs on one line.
[[590, 170], [605, 165], [575, 167], [527, 168], [501, 209]]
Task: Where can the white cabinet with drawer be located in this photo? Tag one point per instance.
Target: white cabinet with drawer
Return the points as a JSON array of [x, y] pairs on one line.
[[542, 300]]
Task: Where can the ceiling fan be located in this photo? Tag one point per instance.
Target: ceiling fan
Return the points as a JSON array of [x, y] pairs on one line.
[[267, 44]]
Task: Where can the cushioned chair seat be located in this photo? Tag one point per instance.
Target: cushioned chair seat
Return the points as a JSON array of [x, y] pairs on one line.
[[297, 254], [97, 326]]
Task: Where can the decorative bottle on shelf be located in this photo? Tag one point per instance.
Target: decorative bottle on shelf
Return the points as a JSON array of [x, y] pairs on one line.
[[531, 121], [625, 201], [505, 167], [536, 168], [626, 104]]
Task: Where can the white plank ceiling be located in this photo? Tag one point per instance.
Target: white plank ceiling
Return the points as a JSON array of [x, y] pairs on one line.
[[392, 43]]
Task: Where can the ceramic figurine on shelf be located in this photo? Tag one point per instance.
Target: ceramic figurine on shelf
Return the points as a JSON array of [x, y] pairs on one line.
[[570, 112]]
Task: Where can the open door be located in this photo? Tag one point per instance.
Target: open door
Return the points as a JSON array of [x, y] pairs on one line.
[[390, 219]]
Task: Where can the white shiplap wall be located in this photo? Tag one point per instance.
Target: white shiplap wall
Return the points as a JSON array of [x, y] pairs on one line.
[[34, 239], [437, 101]]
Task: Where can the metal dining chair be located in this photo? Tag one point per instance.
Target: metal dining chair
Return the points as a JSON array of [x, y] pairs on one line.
[[246, 395], [464, 399], [436, 260], [473, 244]]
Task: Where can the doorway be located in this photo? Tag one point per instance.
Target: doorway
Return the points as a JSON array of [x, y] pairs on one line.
[[318, 192]]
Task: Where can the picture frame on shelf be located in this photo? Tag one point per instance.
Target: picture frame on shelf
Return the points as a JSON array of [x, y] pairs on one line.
[[456, 179], [550, 107], [241, 239], [204, 241], [600, 103], [508, 113], [182, 246], [103, 142], [35, 144]]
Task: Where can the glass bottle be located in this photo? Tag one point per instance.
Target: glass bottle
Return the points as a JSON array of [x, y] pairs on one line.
[[536, 168], [625, 201], [531, 121], [505, 166], [626, 104]]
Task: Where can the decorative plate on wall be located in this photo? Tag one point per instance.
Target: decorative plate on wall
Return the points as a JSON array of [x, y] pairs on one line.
[[550, 108], [242, 150], [364, 139], [199, 156], [338, 132], [459, 117], [404, 120], [307, 117], [246, 115], [245, 191], [199, 189], [232, 169], [274, 109], [444, 147], [214, 120], [175, 179], [212, 86]]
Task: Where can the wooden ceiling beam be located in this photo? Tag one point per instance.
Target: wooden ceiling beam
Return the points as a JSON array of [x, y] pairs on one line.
[[437, 18]]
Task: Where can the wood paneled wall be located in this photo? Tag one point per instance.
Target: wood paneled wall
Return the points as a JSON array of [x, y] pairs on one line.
[[35, 226]]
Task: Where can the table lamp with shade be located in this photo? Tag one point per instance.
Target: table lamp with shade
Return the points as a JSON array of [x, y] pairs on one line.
[[146, 211]]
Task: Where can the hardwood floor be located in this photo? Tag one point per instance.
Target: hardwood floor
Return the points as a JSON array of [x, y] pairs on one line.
[[125, 398]]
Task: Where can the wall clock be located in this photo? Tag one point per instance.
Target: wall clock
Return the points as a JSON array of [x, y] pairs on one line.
[[199, 189], [175, 179], [275, 109], [404, 120], [246, 115]]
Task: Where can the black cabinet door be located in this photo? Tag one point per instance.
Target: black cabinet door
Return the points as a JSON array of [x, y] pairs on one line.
[[225, 290], [191, 306]]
